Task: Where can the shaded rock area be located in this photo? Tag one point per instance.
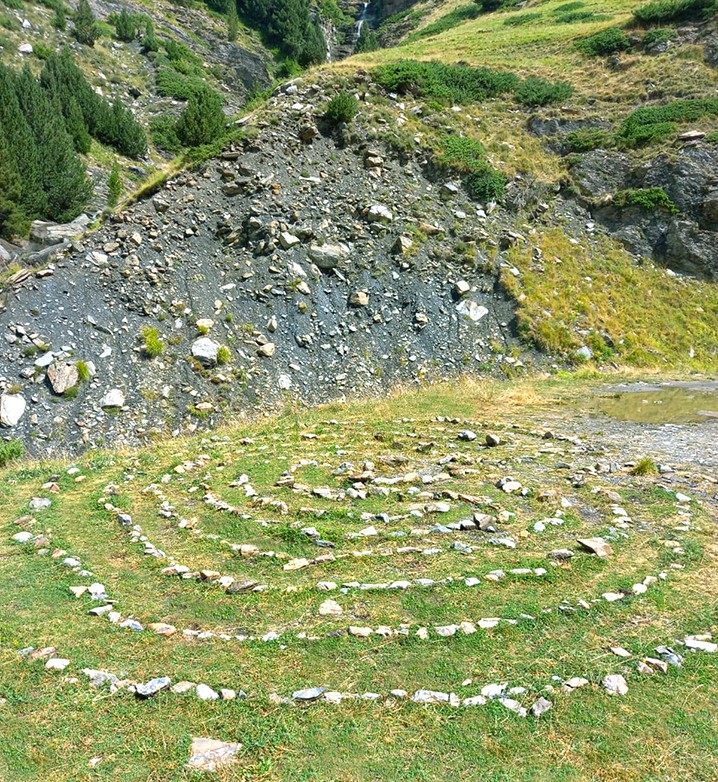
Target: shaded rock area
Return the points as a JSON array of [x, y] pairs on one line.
[[685, 241], [283, 270]]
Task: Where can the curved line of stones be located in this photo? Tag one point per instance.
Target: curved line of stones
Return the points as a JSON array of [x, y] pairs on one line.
[[613, 684], [230, 585], [97, 593]]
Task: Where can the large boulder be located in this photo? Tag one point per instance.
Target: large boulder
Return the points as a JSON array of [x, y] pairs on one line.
[[328, 256], [62, 376], [12, 409], [205, 350], [114, 398]]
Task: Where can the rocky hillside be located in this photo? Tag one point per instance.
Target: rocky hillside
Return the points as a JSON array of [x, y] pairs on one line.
[[363, 228], [304, 263]]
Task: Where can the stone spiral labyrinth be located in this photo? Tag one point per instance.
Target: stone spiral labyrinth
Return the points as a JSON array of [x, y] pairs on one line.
[[417, 563]]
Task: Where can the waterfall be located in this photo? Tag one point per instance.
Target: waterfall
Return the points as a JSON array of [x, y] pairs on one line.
[[361, 21]]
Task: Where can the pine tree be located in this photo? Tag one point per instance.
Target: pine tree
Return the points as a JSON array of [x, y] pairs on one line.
[[86, 29], [12, 219], [202, 120], [125, 134], [59, 22], [149, 40], [21, 143], [125, 27], [64, 180], [76, 126], [232, 20], [114, 186]]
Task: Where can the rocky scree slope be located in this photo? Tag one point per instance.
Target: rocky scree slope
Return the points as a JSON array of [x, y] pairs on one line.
[[306, 263]]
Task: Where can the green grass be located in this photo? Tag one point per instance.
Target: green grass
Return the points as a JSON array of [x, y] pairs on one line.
[[152, 345], [49, 715]]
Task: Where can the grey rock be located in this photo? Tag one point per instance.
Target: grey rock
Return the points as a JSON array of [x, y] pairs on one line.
[[205, 350], [152, 687], [12, 409]]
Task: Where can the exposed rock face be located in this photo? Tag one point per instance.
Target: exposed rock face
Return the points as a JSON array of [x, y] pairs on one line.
[[686, 241]]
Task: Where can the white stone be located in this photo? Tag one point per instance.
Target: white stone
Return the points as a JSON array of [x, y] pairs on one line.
[[12, 409], [113, 398]]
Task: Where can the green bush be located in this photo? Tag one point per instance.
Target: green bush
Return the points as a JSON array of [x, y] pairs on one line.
[[446, 22], [586, 139], [341, 108], [522, 19], [149, 39], [484, 183], [59, 20], [171, 84], [467, 157], [125, 26], [41, 51], [202, 120], [445, 83], [10, 451], [579, 16], [661, 35], [368, 41], [649, 199], [224, 355], [86, 29], [152, 345], [164, 134], [114, 186], [645, 126], [712, 138], [662, 11], [534, 91], [606, 42]]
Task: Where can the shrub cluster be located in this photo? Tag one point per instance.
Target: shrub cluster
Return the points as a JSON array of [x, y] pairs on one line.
[[446, 22], [650, 198], [661, 11], [608, 41], [645, 126], [586, 139], [468, 157], [341, 108], [465, 84]]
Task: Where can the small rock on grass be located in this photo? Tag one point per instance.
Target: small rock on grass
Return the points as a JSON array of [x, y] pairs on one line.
[[210, 754], [615, 684], [541, 706], [152, 687]]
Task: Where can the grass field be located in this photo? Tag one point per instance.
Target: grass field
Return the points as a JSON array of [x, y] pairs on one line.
[[534, 629]]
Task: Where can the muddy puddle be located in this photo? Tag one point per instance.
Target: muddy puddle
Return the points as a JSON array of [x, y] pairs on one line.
[[664, 403]]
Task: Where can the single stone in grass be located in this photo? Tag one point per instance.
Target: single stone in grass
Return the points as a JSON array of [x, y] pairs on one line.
[[206, 693], [644, 668], [161, 628], [360, 632], [492, 440], [615, 684], [100, 678], [574, 683], [40, 654], [657, 665], [152, 687], [620, 651], [22, 537], [467, 435], [597, 545], [611, 597], [210, 754], [700, 643], [541, 706], [670, 655], [446, 631], [326, 586], [57, 664], [493, 690], [430, 696], [330, 608], [225, 694], [474, 700], [181, 687], [560, 554], [308, 695]]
